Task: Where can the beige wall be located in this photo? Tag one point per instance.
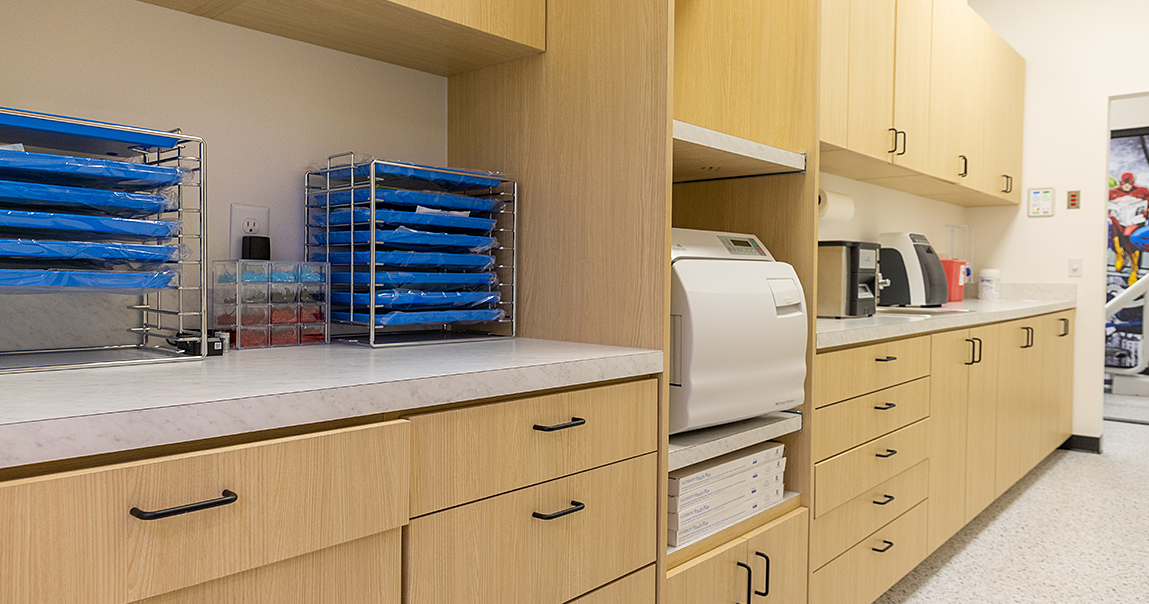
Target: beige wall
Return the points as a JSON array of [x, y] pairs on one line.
[[267, 106]]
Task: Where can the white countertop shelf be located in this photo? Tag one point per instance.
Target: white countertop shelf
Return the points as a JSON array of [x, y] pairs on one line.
[[704, 154], [56, 415], [696, 446], [834, 333]]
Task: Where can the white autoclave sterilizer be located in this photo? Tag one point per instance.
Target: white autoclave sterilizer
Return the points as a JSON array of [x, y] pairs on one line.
[[737, 330]]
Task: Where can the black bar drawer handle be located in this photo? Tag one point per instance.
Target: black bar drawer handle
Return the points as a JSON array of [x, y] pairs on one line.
[[1066, 332], [576, 506], [887, 359], [972, 351], [886, 407], [895, 131], [575, 421], [888, 453], [767, 559], [889, 544], [228, 498], [901, 133], [964, 166], [749, 581], [980, 348], [888, 499]]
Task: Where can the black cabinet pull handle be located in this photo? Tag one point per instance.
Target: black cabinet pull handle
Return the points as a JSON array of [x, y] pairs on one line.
[[575, 421], [895, 149], [889, 453], [1028, 337], [886, 407], [576, 506], [889, 544], [903, 134], [980, 349], [965, 166], [1005, 189], [972, 351], [767, 559], [887, 359], [749, 581], [1010, 183], [1066, 332], [228, 498], [888, 498]]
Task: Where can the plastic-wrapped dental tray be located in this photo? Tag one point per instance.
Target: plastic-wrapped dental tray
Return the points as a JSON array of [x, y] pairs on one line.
[[420, 281], [79, 200], [86, 172], [31, 249], [41, 281], [407, 239], [449, 179], [416, 300], [77, 226], [413, 260], [415, 220], [455, 317], [411, 200]]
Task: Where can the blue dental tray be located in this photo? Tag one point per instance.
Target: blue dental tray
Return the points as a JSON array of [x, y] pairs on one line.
[[420, 281], [87, 226], [408, 219], [411, 199], [86, 172], [87, 201], [413, 300], [453, 317], [419, 260], [453, 180], [85, 281], [86, 250], [411, 240]]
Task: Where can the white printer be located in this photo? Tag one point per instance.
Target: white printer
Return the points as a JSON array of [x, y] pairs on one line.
[[737, 330]]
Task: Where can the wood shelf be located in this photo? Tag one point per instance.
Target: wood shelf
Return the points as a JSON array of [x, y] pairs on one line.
[[696, 446], [677, 555], [440, 38], [704, 154]]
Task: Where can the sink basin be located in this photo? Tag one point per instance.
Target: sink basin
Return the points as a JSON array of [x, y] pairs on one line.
[[899, 310]]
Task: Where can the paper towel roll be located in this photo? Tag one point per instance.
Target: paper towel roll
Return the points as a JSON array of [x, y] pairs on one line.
[[835, 207]]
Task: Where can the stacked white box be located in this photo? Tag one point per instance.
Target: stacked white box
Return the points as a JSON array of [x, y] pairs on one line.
[[710, 496]]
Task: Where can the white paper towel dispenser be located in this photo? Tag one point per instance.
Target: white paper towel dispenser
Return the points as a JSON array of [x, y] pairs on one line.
[[738, 330]]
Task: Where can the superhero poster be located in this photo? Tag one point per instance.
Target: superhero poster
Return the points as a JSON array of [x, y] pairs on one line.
[[1128, 239]]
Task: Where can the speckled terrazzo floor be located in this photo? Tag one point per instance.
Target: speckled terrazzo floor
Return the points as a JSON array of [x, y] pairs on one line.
[[1075, 530], [1127, 408]]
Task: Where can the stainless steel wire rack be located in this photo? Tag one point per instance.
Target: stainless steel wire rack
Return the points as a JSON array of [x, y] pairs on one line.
[[360, 178]]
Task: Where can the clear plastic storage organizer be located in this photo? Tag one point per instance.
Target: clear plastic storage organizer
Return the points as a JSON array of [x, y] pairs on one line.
[[260, 303], [417, 253]]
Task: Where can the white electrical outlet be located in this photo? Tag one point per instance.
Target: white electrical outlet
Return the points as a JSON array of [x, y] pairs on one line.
[[247, 220], [1075, 267]]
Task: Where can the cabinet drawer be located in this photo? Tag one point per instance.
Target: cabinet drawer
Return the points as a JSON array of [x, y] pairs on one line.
[[637, 588], [497, 550], [294, 495], [838, 530], [365, 571], [468, 454], [845, 425], [861, 574], [842, 478], [848, 373]]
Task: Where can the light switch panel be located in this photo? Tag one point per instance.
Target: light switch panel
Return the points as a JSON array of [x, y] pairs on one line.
[[1073, 201], [1040, 203]]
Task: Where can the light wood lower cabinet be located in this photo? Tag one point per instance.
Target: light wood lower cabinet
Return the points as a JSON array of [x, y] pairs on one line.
[[1019, 402], [635, 588], [365, 571], [954, 352], [543, 544], [842, 478], [765, 566], [85, 536], [844, 374], [871, 567], [1057, 377], [847, 424], [981, 424]]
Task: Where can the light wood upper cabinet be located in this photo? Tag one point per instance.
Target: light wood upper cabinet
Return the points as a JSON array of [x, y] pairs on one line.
[[871, 77], [947, 91], [912, 78], [1005, 89], [738, 63], [834, 73]]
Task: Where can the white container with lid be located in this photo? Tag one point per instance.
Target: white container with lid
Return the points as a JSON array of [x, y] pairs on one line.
[[989, 284]]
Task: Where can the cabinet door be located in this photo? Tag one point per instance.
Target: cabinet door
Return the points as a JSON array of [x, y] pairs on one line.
[[952, 354], [778, 554], [981, 424], [1057, 379], [1018, 403], [912, 83], [834, 73], [871, 89], [712, 578], [1008, 137], [978, 166], [947, 88]]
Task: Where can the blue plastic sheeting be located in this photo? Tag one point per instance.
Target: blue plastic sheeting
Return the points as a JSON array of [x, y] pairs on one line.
[[87, 201], [413, 300], [86, 172], [408, 219], [450, 181], [411, 240], [441, 317], [31, 120], [33, 281], [420, 281], [86, 250], [89, 226], [412, 199], [423, 260]]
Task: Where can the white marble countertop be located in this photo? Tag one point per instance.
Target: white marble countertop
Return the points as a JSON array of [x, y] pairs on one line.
[[833, 333], [56, 415]]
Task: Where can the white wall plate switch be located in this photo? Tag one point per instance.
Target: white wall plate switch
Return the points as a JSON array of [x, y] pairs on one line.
[[1075, 267], [1040, 202], [247, 220]]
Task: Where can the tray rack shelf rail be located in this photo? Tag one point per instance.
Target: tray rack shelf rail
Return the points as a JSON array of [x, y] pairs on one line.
[[171, 323], [360, 177]]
